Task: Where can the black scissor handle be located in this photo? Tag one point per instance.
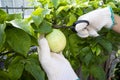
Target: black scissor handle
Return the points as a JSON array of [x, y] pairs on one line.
[[77, 22], [72, 27], [81, 21]]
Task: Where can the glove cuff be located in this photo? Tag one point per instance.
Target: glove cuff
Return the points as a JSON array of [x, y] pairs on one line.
[[67, 74], [108, 17], [112, 18]]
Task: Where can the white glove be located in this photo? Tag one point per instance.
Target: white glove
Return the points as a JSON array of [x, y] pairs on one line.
[[97, 19], [54, 64]]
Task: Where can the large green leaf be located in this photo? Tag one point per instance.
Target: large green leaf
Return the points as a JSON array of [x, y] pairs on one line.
[[16, 68], [2, 34], [18, 40], [34, 69], [23, 24]]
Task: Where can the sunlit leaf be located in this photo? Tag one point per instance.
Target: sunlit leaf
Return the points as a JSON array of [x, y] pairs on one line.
[[39, 14], [13, 16], [3, 16], [79, 11], [98, 50], [61, 8], [55, 3], [72, 19], [112, 5]]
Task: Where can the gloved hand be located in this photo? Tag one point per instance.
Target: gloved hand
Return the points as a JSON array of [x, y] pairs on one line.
[[97, 19], [54, 64]]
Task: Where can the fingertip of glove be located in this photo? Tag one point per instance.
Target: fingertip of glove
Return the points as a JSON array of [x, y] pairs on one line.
[[80, 26], [83, 35]]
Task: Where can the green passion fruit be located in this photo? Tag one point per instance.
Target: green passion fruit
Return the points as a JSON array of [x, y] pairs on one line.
[[56, 40]]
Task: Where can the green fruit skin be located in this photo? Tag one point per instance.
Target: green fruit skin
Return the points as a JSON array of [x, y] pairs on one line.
[[56, 40]]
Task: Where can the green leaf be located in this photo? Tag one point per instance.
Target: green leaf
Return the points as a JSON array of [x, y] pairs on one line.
[[18, 40], [79, 11], [72, 19], [34, 41], [74, 44], [16, 68], [98, 50], [88, 58], [86, 50], [105, 43], [46, 11], [97, 72], [61, 8], [45, 27], [39, 14], [111, 4], [85, 72], [86, 55], [37, 11], [3, 16], [4, 75], [37, 19], [55, 3], [13, 16], [34, 69], [24, 25], [2, 35]]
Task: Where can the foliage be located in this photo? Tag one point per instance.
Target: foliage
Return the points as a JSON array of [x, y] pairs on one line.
[[17, 35]]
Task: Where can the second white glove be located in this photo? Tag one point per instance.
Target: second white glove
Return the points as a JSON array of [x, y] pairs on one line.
[[97, 19]]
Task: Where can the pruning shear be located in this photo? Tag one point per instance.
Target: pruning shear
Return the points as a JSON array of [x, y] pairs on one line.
[[77, 22], [72, 27]]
